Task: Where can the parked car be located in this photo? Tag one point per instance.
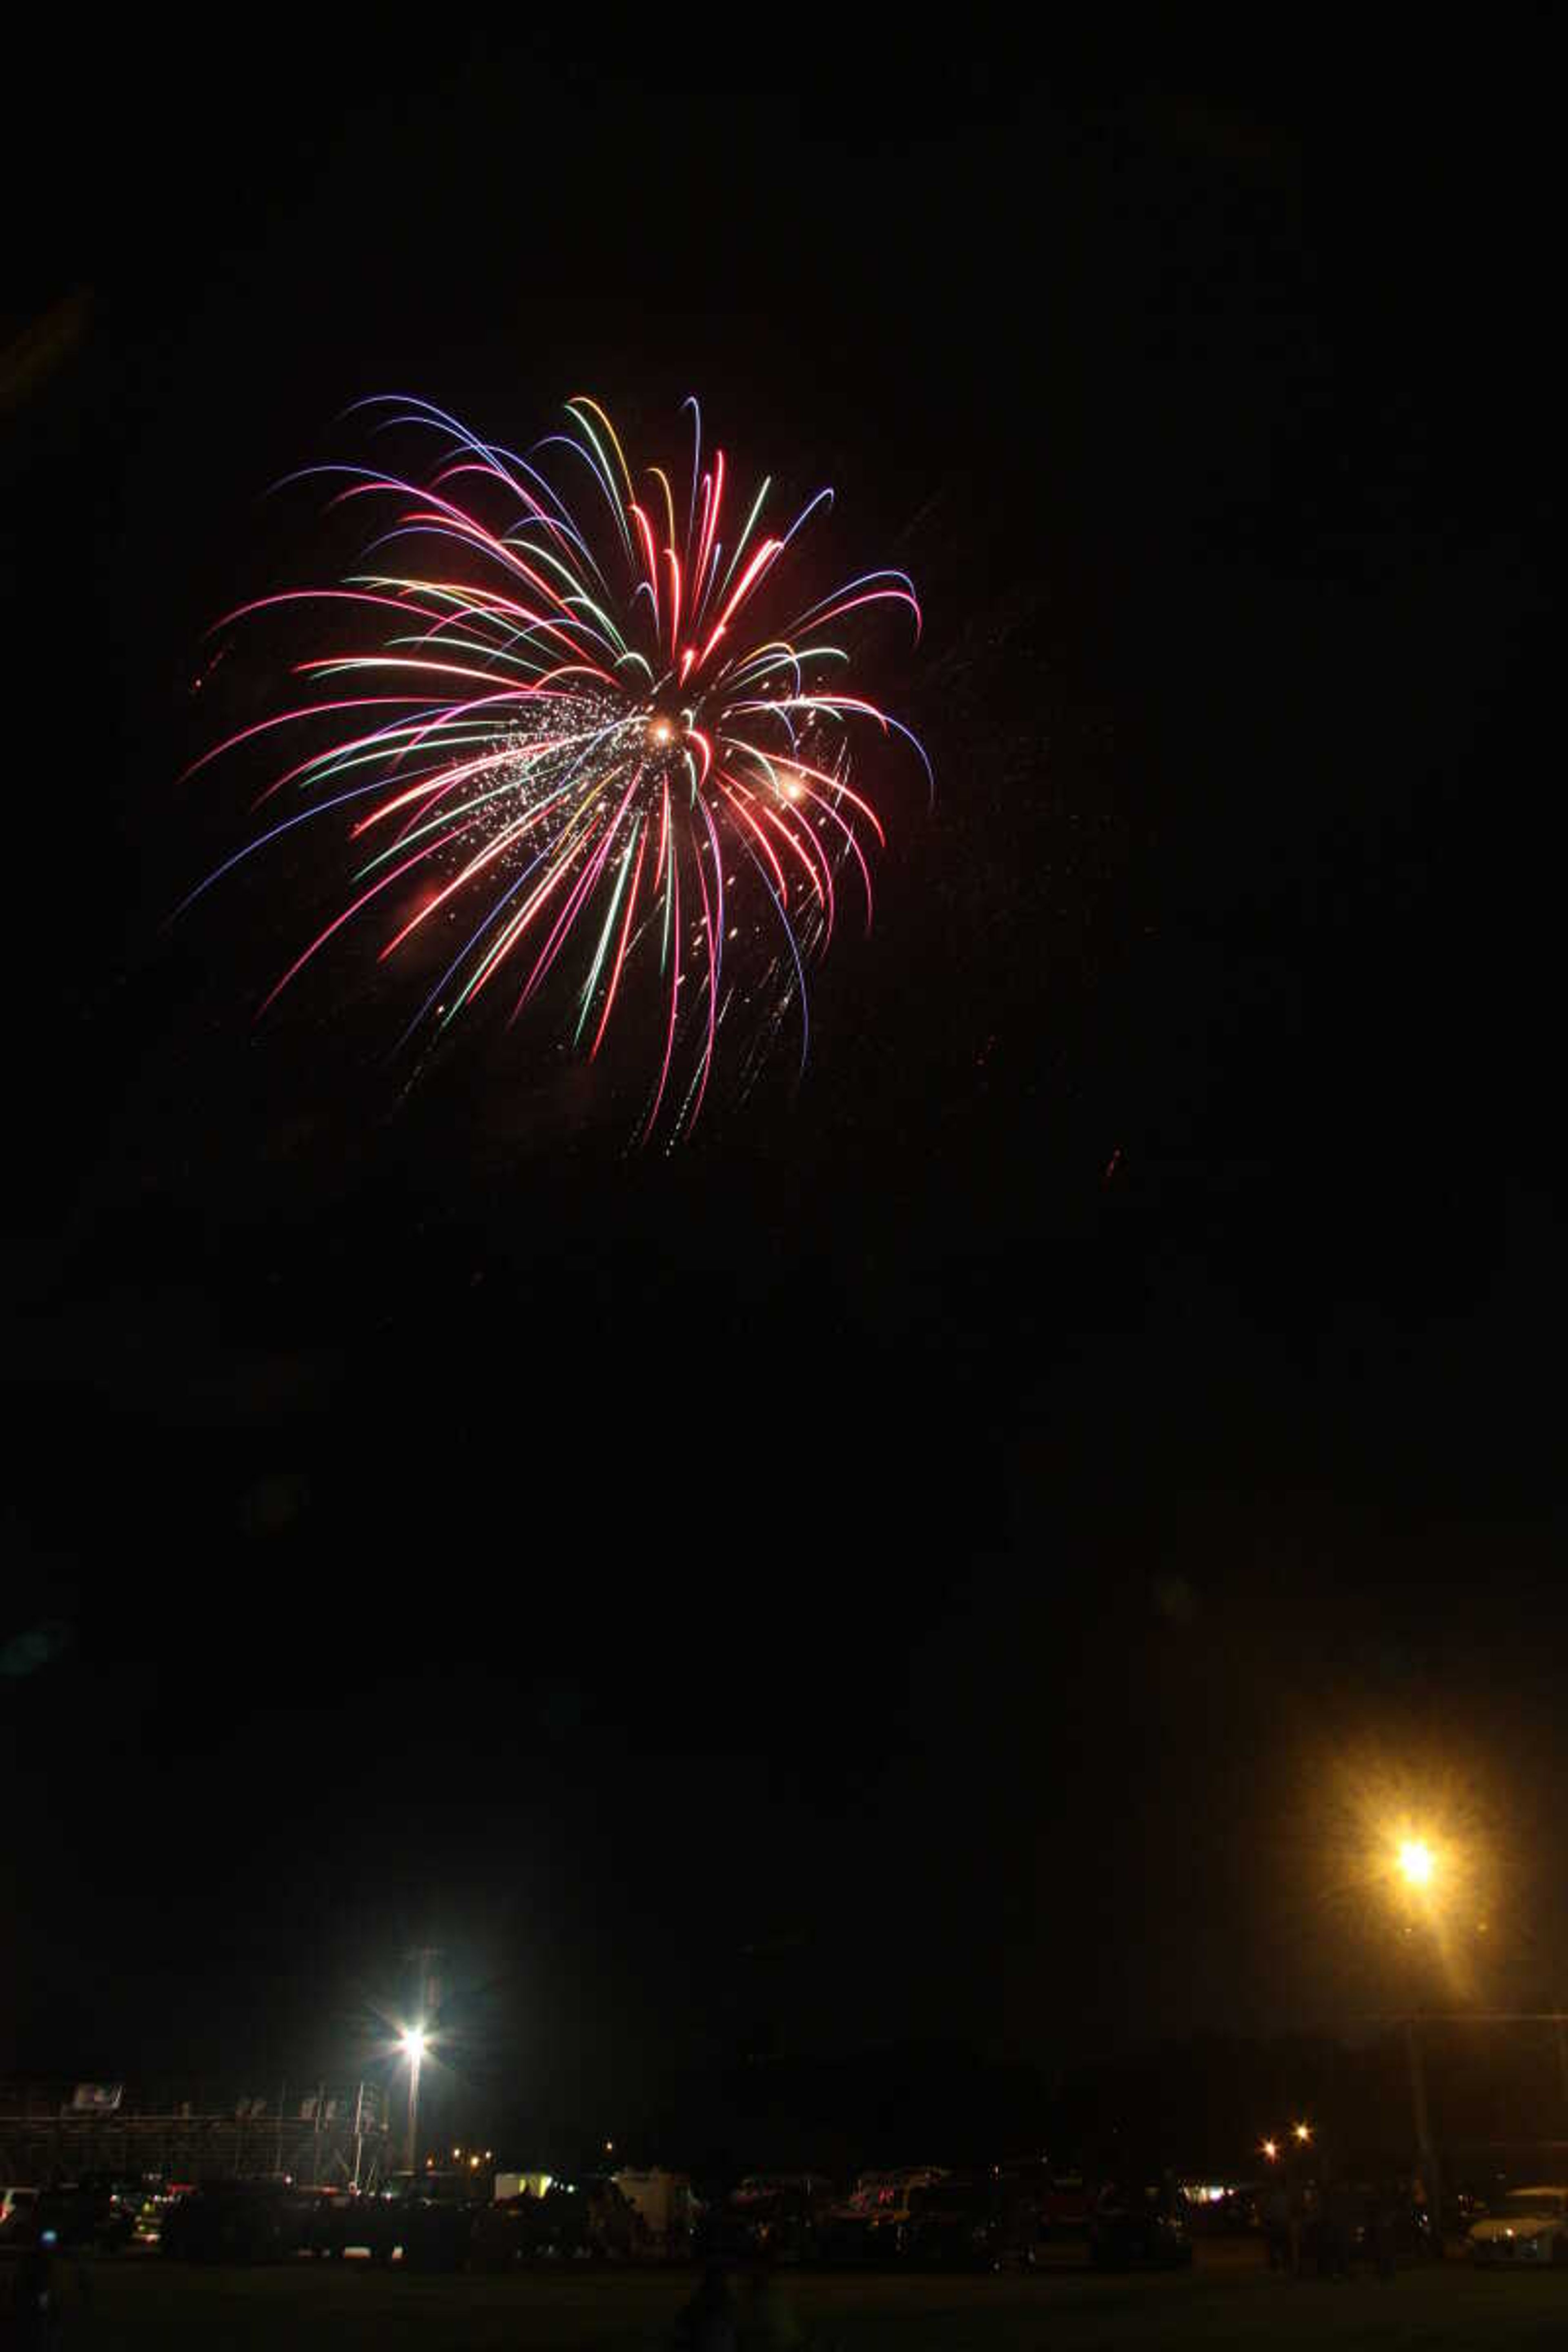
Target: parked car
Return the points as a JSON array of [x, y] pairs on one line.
[[556, 2227], [584, 2221], [429, 2218], [1069, 2207], [18, 2216], [560, 2225], [97, 2214], [1526, 2226], [157, 2197], [234, 2221], [500, 2238], [782, 2217], [1138, 2225], [973, 2222], [871, 2224], [1389, 2211], [1059, 2191], [338, 2221], [1345, 2221]]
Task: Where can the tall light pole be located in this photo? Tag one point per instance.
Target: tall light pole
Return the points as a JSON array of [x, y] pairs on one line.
[[413, 2051], [1418, 1868]]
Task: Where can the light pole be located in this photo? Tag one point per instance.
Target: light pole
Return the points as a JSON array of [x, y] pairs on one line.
[[413, 2051], [1417, 1867]]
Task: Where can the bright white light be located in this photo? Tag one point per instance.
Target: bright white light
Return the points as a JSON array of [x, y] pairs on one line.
[[1415, 1862], [414, 2042]]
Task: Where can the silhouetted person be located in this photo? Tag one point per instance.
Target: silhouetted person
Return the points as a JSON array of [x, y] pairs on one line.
[[1297, 2200], [46, 2296], [1335, 2230], [1382, 2230], [710, 2321], [1277, 2225], [769, 2321]]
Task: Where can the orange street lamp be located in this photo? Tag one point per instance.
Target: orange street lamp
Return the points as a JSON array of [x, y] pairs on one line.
[[1416, 1862]]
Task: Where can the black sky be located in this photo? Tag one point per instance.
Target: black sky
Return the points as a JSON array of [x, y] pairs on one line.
[[898, 1567]]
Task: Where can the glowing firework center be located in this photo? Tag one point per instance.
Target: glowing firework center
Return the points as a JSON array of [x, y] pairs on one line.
[[591, 741]]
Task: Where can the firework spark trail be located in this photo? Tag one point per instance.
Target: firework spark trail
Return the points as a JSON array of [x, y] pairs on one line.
[[572, 722]]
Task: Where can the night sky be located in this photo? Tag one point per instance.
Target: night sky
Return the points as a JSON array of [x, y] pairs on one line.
[[933, 1560]]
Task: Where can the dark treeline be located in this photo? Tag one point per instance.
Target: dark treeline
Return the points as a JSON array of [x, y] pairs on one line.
[[1200, 2106]]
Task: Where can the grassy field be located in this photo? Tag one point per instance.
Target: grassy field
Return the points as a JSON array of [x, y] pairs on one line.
[[1224, 2301]]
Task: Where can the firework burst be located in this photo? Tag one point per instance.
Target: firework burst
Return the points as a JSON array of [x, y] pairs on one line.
[[599, 744]]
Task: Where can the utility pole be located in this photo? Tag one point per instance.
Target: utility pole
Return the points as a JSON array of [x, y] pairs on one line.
[[427, 1989], [415, 2056]]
